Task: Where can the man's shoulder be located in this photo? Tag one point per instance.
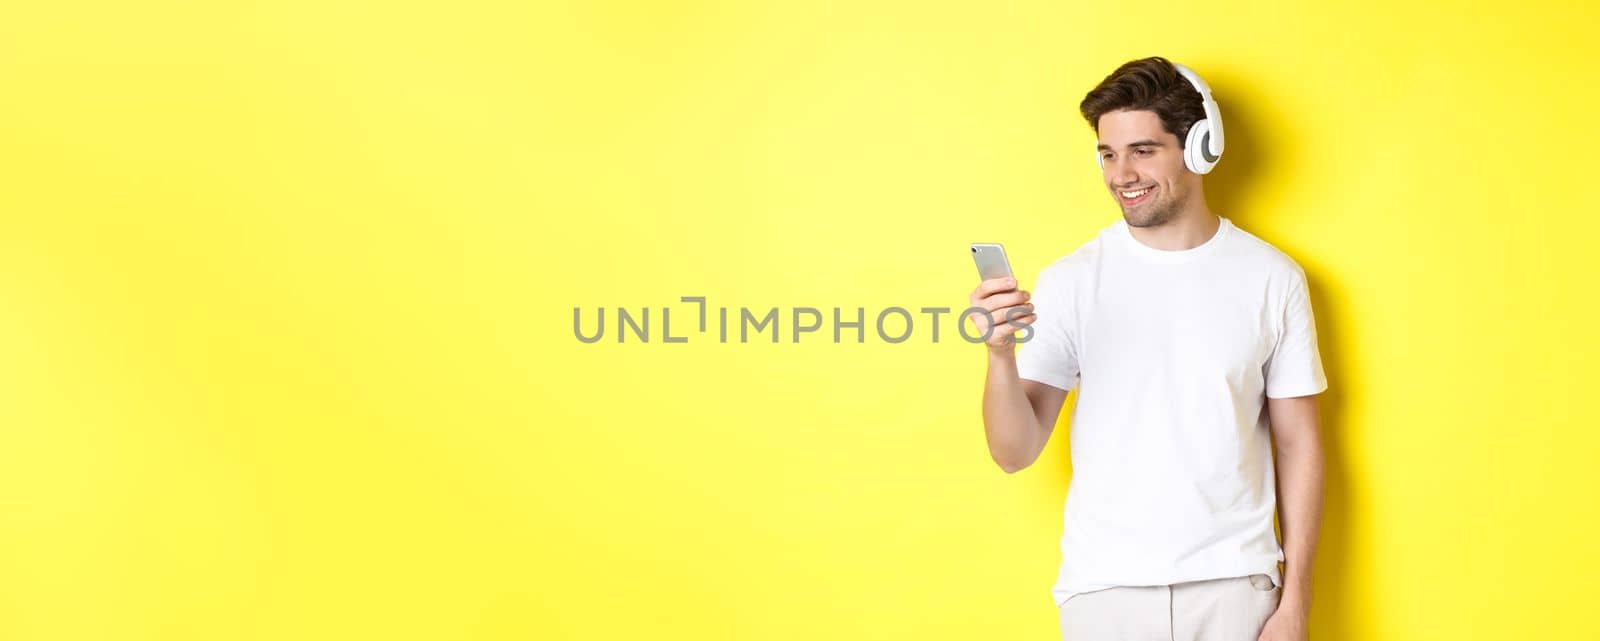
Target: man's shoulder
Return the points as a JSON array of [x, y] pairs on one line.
[[1084, 256], [1078, 260], [1264, 256]]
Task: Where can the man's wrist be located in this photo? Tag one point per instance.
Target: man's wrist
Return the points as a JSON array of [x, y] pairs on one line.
[[1295, 599]]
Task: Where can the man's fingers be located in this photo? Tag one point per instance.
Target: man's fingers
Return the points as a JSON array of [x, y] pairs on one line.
[[994, 285], [1020, 321], [1005, 331], [1013, 314], [1015, 324], [1005, 299], [999, 316]]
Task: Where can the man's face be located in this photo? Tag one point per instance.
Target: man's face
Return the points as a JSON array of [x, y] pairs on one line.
[[1144, 159]]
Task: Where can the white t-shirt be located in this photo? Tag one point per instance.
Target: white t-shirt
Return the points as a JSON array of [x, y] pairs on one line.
[[1172, 354]]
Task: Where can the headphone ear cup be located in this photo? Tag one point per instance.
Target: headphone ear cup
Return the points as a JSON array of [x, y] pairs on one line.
[[1099, 160], [1196, 154]]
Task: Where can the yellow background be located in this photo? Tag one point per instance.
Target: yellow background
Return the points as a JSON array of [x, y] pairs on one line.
[[286, 296]]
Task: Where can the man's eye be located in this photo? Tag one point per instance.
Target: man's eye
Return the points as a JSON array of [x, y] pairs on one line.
[[1145, 152]]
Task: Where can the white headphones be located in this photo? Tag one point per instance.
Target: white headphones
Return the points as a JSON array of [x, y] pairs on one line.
[[1203, 146]]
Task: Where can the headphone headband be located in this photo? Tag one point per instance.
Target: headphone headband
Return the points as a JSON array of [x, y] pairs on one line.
[[1212, 113]]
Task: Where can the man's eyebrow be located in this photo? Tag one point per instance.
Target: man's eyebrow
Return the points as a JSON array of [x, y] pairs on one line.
[[1136, 143]]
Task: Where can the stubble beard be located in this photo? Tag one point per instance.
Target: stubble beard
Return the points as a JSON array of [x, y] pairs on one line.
[[1155, 214]]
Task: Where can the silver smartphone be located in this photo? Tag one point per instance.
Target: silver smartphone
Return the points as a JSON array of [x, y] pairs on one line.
[[991, 260]]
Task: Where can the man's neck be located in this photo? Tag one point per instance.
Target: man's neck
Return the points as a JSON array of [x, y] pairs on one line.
[[1187, 231]]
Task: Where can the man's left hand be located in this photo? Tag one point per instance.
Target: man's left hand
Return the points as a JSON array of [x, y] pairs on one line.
[[1288, 623]]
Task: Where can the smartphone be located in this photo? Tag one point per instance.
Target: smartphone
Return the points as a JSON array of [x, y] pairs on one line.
[[991, 260]]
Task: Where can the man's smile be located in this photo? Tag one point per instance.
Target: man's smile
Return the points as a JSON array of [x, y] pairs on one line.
[[1134, 197]]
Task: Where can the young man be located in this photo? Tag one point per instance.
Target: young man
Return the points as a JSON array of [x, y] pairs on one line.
[[1192, 348]]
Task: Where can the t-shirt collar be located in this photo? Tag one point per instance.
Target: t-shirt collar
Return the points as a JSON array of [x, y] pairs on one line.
[[1125, 236]]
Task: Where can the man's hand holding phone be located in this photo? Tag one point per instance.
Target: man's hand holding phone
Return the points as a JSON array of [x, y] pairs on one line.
[[1009, 311], [1008, 307]]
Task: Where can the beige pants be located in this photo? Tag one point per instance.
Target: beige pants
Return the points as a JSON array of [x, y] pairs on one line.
[[1231, 609]]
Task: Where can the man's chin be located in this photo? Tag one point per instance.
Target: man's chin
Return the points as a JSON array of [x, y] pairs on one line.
[[1143, 219], [1135, 220]]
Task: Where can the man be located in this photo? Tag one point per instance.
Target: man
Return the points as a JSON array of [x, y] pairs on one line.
[[1192, 348]]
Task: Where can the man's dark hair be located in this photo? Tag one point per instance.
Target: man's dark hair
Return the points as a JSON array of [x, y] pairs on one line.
[[1148, 84]]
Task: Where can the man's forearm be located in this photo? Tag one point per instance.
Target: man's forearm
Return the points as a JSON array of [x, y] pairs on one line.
[[1009, 421], [1300, 481]]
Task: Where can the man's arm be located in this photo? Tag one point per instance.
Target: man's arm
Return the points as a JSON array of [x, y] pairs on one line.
[[1297, 431], [1018, 415]]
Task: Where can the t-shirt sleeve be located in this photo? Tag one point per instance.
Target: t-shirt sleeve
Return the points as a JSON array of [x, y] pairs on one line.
[[1049, 355], [1295, 367]]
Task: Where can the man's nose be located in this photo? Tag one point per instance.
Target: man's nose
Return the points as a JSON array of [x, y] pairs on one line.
[[1122, 173]]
